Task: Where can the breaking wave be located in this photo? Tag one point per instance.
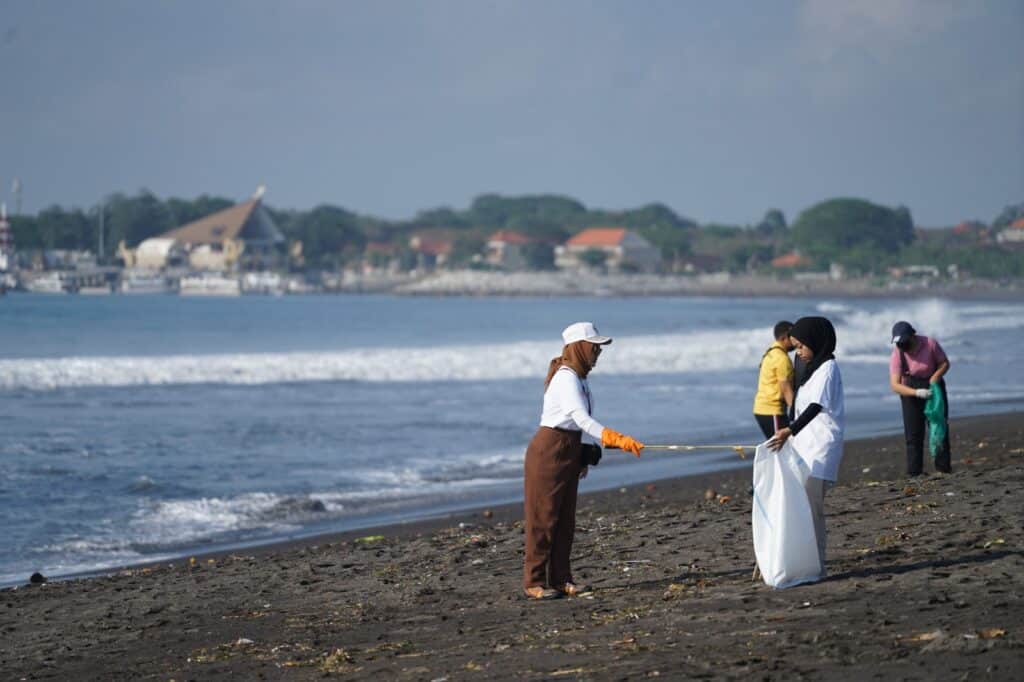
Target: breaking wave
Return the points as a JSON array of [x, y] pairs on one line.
[[863, 337], [164, 528]]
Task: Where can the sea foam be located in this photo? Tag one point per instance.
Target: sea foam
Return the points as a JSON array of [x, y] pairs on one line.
[[863, 337]]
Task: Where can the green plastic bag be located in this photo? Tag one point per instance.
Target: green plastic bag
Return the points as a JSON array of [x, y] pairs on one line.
[[935, 413]]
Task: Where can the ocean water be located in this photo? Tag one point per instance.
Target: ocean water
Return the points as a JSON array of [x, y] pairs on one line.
[[140, 428]]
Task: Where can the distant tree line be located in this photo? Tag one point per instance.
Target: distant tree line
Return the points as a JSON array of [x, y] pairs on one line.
[[861, 235], [868, 238]]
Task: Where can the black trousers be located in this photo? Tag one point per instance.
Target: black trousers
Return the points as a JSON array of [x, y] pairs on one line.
[[770, 423], [914, 427]]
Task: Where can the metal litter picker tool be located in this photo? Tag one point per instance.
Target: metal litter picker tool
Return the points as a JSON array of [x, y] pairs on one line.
[[740, 450]]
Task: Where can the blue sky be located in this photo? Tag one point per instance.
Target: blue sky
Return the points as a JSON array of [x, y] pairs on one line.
[[721, 110]]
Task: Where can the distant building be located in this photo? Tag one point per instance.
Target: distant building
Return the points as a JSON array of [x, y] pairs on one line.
[[811, 276], [971, 230], [505, 249], [623, 250], [155, 253], [380, 256], [1014, 233], [243, 236], [790, 261], [67, 259], [914, 272], [700, 262], [431, 251]]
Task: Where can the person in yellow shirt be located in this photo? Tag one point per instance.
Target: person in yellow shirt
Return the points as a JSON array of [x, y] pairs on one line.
[[774, 396]]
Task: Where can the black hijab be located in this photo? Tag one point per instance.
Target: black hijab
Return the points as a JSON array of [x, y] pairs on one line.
[[818, 334]]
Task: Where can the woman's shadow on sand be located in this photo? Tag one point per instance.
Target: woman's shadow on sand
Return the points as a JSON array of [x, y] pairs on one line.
[[892, 570], [887, 570]]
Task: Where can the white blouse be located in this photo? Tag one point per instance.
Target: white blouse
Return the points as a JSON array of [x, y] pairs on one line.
[[820, 443], [568, 404]]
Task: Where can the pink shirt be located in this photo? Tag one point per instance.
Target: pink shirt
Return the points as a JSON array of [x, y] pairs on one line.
[[922, 361]]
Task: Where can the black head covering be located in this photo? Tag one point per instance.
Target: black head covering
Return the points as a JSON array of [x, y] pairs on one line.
[[818, 334]]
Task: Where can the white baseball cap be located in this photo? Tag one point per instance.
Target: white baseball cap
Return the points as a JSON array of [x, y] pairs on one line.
[[584, 331]]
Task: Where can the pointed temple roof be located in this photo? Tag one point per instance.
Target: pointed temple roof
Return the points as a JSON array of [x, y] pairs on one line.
[[247, 221]]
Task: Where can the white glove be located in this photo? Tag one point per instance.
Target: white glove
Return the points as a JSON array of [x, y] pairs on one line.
[[923, 393]]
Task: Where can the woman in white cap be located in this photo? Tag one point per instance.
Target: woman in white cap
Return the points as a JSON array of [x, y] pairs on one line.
[[554, 463]]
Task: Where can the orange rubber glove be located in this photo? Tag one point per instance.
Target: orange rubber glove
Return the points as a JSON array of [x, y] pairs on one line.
[[614, 439]]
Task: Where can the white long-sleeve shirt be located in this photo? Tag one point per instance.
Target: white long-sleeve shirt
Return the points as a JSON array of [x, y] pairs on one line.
[[568, 404], [820, 443]]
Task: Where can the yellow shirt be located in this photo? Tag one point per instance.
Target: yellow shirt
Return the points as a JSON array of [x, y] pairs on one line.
[[775, 367]]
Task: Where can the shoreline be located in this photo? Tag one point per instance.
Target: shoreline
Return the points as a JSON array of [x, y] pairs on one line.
[[926, 578], [549, 284], [730, 480], [471, 283]]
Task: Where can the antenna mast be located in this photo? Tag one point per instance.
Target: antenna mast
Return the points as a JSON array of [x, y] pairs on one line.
[[16, 191], [103, 210]]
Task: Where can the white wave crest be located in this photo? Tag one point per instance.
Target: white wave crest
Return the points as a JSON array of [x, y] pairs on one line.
[[164, 525], [863, 336], [162, 529], [827, 307]]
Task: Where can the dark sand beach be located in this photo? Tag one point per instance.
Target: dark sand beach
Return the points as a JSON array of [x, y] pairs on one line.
[[926, 582]]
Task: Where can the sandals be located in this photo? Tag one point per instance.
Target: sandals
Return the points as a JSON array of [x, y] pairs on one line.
[[539, 593], [574, 590], [568, 590]]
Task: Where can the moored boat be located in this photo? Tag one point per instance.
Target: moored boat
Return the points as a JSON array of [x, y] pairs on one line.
[[47, 283], [210, 284], [144, 282]]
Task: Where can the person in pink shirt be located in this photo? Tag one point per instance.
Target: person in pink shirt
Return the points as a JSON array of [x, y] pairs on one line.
[[916, 369]]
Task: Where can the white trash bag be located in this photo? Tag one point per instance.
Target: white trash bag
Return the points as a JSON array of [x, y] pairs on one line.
[[784, 541]]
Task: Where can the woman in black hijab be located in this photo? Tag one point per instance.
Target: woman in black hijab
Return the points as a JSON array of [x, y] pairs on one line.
[[820, 422], [818, 334]]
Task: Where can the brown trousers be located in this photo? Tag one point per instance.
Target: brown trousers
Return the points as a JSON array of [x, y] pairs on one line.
[[552, 477]]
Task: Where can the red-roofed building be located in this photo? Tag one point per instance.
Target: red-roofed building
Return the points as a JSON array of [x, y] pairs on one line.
[[971, 231], [505, 250], [1014, 232], [510, 237], [380, 256], [790, 260], [431, 250], [598, 237], [382, 248], [623, 250]]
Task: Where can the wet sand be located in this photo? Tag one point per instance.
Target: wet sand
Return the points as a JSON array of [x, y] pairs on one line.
[[926, 582]]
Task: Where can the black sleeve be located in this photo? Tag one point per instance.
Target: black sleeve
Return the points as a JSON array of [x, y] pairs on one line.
[[807, 415], [590, 454]]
